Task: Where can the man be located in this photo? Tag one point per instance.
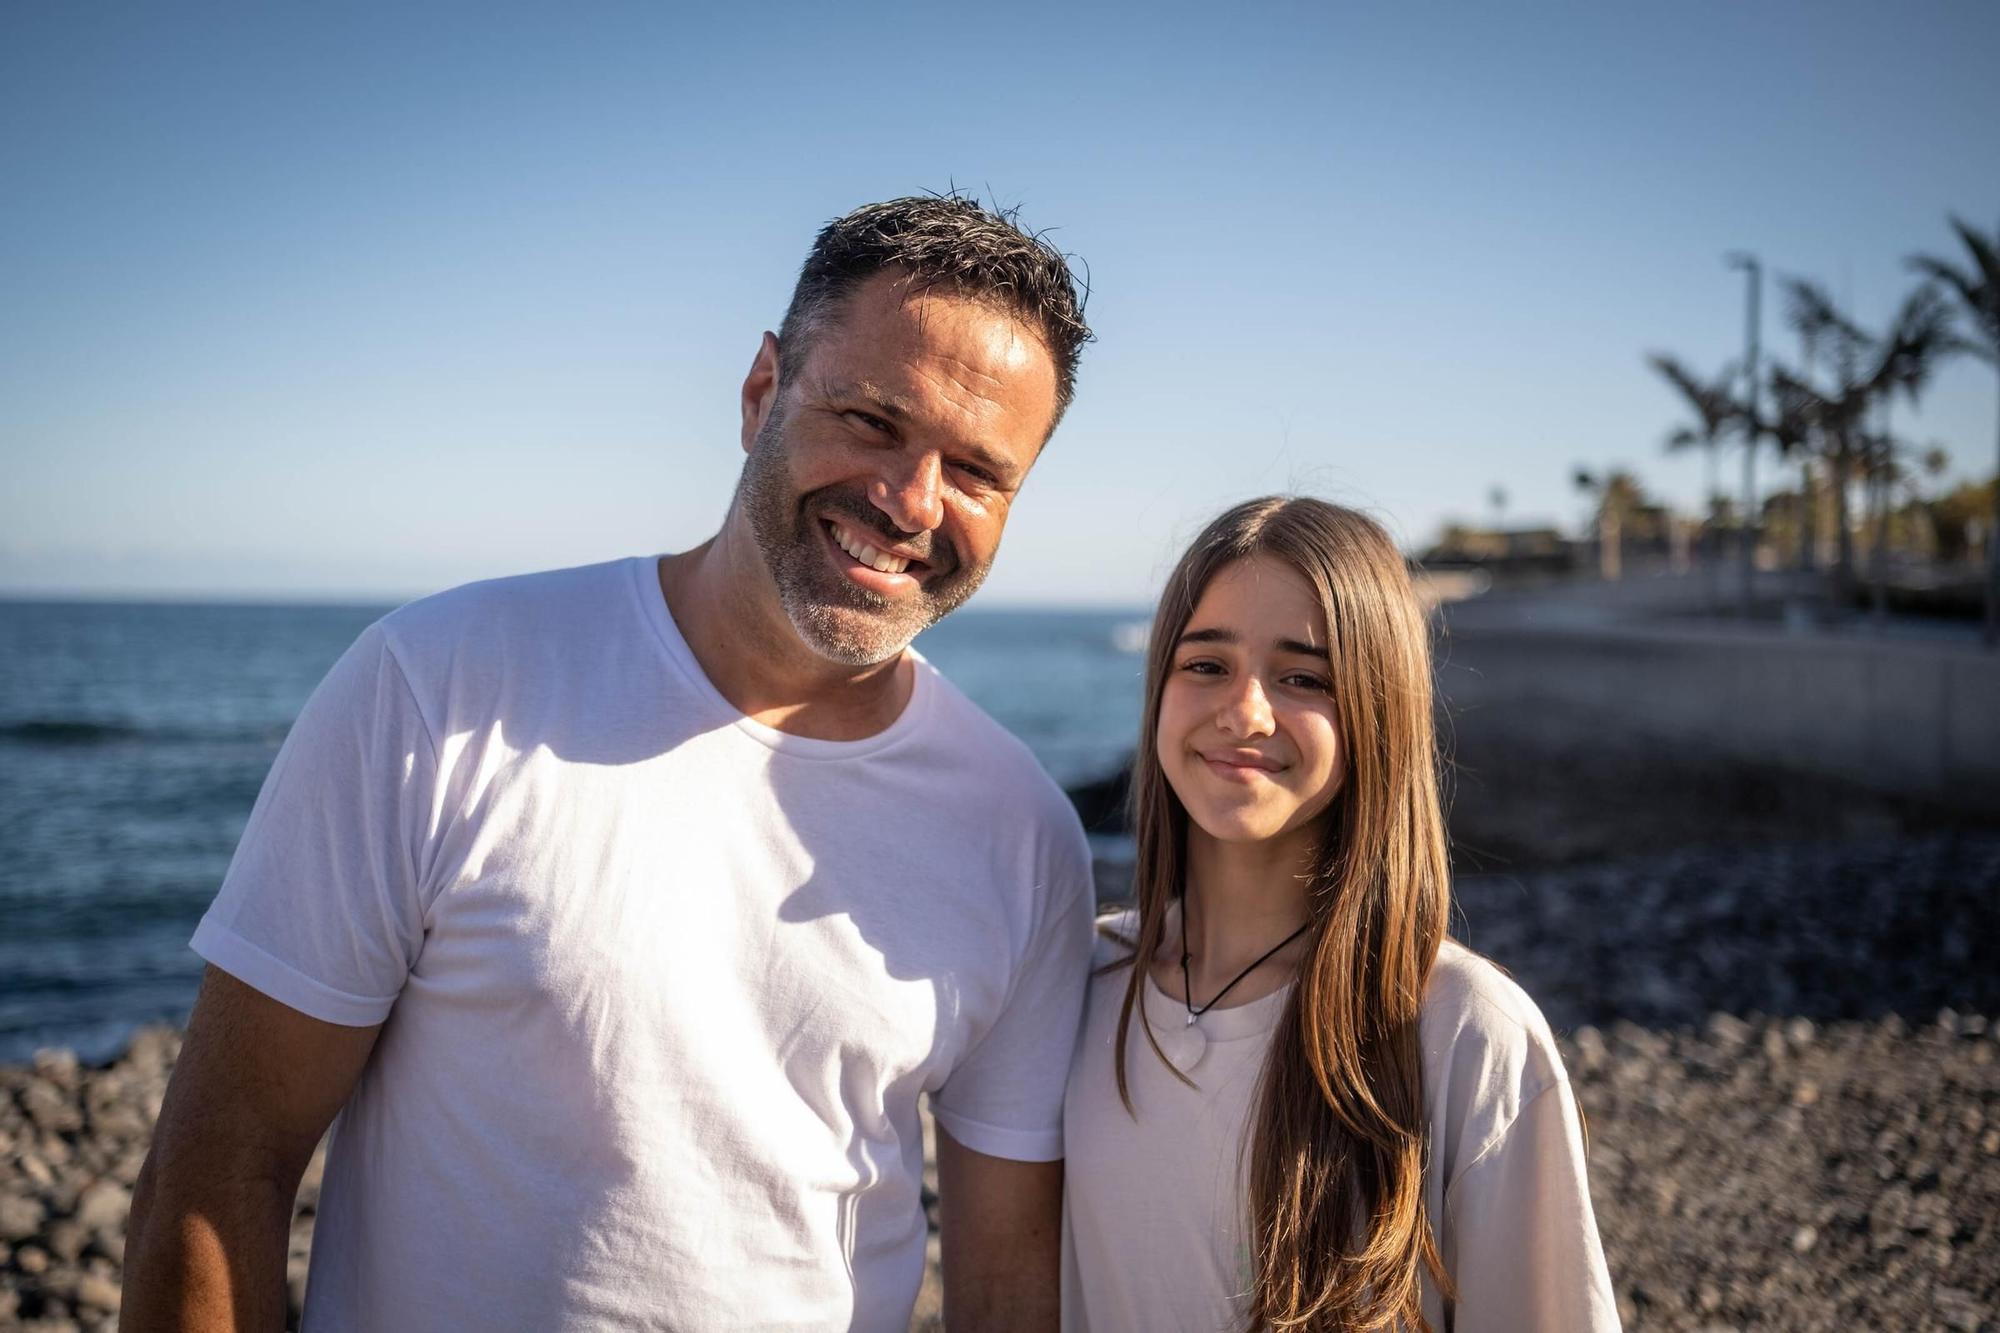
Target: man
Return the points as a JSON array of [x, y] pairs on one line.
[[624, 913]]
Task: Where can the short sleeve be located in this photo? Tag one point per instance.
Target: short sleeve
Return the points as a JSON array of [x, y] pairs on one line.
[[1005, 1097], [320, 909], [1522, 1240]]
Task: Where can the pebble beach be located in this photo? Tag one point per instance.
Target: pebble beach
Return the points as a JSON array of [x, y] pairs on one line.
[[1788, 1058]]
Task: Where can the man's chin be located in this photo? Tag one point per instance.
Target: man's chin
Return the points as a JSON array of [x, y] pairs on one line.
[[850, 636]]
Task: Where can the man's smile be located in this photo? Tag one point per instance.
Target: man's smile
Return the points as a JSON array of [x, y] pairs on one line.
[[880, 569]]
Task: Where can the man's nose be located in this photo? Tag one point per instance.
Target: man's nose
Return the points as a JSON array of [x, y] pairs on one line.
[[912, 495], [1247, 710]]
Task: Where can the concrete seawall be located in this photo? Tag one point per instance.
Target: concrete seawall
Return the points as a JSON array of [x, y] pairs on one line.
[[1909, 718]]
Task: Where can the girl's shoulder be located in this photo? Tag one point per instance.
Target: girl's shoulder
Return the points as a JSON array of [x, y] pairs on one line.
[[1487, 1051], [1470, 991]]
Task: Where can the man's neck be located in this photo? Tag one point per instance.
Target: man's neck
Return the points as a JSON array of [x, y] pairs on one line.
[[723, 602]]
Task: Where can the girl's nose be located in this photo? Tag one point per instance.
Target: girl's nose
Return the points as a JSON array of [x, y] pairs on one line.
[[1247, 712]]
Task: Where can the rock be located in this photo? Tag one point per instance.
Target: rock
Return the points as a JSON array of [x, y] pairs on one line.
[[50, 1110], [1959, 1308], [152, 1051], [32, 1260], [97, 1293], [104, 1206], [57, 1067], [1804, 1239], [126, 1169], [20, 1217], [1728, 1030], [120, 1123], [66, 1240], [1591, 1052], [36, 1169]]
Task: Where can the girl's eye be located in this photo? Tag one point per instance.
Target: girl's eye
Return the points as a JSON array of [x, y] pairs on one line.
[[1202, 666], [1302, 680]]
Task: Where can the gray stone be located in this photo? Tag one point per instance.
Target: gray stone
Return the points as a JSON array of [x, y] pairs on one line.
[[58, 1067], [20, 1216], [104, 1205], [66, 1240], [50, 1110], [97, 1293]]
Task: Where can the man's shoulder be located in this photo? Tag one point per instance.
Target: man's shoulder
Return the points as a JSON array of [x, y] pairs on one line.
[[544, 609], [1003, 765]]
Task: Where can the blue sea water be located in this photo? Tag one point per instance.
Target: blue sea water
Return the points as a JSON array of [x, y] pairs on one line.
[[134, 737]]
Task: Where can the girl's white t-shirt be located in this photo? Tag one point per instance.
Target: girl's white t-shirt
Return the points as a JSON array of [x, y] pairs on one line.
[[662, 986], [1155, 1205]]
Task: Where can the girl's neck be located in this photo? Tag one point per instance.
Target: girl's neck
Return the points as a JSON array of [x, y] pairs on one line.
[[1242, 898]]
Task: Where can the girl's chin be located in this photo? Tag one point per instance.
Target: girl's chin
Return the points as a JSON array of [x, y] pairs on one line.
[[1233, 827]]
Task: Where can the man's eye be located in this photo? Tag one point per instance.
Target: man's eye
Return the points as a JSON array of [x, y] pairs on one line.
[[979, 475], [871, 421]]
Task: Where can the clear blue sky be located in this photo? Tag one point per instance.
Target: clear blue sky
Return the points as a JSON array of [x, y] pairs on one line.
[[367, 300]]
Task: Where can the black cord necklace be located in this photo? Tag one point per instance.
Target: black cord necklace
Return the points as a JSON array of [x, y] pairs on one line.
[[1187, 986]]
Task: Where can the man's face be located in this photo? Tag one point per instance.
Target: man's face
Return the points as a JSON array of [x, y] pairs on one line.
[[880, 476]]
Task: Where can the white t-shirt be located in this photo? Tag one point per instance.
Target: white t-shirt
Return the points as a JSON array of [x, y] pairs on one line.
[[1156, 1208], [662, 985]]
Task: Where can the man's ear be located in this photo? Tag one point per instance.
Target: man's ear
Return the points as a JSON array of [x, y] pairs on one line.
[[760, 390]]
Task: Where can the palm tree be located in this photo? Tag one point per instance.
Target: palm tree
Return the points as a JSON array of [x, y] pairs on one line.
[[1835, 414], [1619, 498], [1977, 287], [1791, 428], [1713, 407], [1868, 372]]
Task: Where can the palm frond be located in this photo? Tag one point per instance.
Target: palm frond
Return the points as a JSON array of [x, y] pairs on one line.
[[1713, 403], [1977, 287], [1985, 253], [1810, 310]]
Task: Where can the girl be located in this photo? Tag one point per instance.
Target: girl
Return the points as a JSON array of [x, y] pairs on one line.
[[1296, 1104]]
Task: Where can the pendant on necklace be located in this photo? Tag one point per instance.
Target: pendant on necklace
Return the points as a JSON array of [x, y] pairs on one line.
[[1190, 1020], [1184, 1049]]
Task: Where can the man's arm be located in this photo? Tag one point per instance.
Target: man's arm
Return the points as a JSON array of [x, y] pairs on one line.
[[256, 1085], [1000, 1229]]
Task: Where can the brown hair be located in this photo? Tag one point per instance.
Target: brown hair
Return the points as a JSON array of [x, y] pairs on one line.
[[1339, 1231], [951, 243]]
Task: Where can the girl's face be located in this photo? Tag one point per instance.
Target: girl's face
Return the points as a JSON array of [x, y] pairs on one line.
[[1248, 737]]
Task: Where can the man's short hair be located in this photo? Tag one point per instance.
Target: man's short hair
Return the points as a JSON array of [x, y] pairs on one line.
[[946, 242]]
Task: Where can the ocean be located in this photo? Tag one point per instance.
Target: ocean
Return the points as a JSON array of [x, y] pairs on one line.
[[134, 738]]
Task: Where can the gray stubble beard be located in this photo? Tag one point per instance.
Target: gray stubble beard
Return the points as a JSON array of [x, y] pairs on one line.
[[837, 619]]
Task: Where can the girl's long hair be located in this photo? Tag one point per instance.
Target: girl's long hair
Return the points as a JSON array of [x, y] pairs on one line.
[[1338, 1229]]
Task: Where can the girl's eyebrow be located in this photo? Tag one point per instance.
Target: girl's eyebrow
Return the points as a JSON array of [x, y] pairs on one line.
[[1297, 647]]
